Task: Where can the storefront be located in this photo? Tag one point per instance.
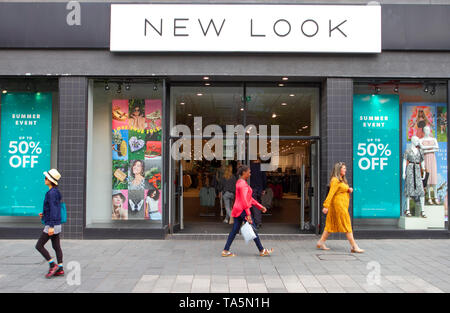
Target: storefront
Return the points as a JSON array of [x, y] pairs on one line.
[[112, 96]]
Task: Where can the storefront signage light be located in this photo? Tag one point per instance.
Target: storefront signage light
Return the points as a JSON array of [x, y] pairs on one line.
[[245, 28]]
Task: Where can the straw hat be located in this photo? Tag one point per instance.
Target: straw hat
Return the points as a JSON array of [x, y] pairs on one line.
[[53, 175]]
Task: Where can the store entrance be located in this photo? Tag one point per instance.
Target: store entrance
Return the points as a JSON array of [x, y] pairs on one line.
[[287, 184]]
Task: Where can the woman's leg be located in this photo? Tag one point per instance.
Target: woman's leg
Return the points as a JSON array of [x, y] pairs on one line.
[[352, 241], [258, 242], [228, 198], [40, 246], [56, 244], [324, 237], [321, 242], [236, 226]]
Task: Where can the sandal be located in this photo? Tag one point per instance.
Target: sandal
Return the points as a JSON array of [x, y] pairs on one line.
[[357, 250], [228, 254], [422, 214], [322, 246], [266, 252], [407, 213]]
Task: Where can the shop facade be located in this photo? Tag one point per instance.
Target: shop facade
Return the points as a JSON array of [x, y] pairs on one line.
[[91, 100]]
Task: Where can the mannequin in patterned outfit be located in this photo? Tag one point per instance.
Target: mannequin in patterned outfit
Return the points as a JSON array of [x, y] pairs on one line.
[[430, 146], [413, 160]]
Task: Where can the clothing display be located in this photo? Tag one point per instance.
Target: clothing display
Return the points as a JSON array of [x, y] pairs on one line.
[[430, 162], [187, 181], [267, 198], [337, 202], [207, 196], [413, 183], [227, 184]]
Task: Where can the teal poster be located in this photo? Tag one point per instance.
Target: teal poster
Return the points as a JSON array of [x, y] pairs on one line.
[[376, 156], [26, 120]]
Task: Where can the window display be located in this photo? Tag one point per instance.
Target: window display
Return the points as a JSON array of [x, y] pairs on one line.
[[408, 162], [28, 131], [135, 162]]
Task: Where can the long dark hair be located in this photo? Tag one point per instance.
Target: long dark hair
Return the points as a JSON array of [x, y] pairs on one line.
[[152, 189], [143, 167]]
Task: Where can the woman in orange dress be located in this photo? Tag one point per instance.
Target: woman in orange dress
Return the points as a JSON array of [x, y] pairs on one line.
[[336, 208]]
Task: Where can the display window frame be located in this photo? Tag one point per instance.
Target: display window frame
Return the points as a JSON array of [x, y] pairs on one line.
[[411, 93], [136, 90], [36, 143]]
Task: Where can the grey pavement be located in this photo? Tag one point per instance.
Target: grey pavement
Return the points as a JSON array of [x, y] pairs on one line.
[[192, 266]]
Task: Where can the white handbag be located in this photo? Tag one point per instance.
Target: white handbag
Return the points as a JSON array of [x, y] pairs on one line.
[[247, 232]]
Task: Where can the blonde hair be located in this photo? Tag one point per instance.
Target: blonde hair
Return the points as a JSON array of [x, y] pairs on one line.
[[228, 172], [336, 172]]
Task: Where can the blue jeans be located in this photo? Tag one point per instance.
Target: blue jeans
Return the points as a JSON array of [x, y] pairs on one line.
[[236, 227]]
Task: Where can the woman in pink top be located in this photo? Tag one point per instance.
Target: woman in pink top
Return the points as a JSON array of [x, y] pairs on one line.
[[241, 211]]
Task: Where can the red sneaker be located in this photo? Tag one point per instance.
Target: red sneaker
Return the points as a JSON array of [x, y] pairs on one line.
[[52, 271], [59, 272]]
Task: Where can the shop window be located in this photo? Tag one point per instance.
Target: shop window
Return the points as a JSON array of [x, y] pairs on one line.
[[124, 174], [29, 142], [400, 155]]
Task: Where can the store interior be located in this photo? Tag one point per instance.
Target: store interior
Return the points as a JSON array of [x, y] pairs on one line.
[[291, 108]]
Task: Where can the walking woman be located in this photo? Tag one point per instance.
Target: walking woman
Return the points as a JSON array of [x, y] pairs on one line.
[[336, 208], [241, 211], [52, 220]]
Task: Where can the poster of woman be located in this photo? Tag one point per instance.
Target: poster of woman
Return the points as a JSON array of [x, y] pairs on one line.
[[136, 118], [418, 116], [119, 205]]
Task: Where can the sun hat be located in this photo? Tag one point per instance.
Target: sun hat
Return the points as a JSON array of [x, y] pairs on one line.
[[53, 175], [118, 193]]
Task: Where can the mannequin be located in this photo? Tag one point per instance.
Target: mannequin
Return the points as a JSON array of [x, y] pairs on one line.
[[412, 161], [429, 145]]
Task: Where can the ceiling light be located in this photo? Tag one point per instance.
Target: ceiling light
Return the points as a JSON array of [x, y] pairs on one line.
[[425, 89], [107, 86], [305, 127], [119, 88], [274, 115], [199, 94], [285, 78], [155, 87], [4, 91], [284, 103], [205, 77], [207, 84], [280, 85], [127, 87], [242, 109], [189, 114], [433, 90], [291, 95], [182, 103], [396, 89], [377, 89]]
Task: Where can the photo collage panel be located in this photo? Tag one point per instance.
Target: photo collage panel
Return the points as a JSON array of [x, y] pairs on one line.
[[136, 159]]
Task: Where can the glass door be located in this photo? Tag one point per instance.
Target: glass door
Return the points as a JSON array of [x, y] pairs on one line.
[[291, 182]]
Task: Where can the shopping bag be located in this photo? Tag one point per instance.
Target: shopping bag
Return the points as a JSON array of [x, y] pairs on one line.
[[247, 232]]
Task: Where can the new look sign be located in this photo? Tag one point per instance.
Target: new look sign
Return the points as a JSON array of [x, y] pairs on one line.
[[245, 28]]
